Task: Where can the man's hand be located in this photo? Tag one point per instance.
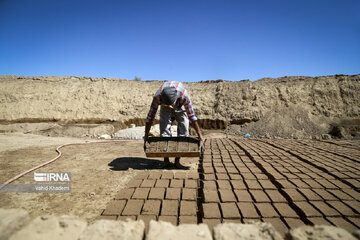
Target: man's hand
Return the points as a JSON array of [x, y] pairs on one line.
[[202, 146], [145, 140]]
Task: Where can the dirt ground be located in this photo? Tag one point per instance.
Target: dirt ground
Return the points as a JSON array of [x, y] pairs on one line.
[[98, 172]]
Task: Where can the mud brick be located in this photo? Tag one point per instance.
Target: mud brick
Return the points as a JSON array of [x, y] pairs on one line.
[[342, 223], [310, 194], [146, 219], [151, 207], [259, 196], [193, 175], [253, 184], [180, 175], [222, 176], [218, 164], [355, 221], [141, 193], [319, 221], [176, 183], [211, 210], [235, 177], [220, 170], [209, 176], [157, 193], [171, 219], [286, 184], [342, 208], [351, 192], [267, 184], [187, 220], [243, 196], [133, 207], [154, 175], [125, 193], [167, 175], [173, 193], [312, 183], [134, 183], [275, 196], [326, 183], [169, 208], [352, 174], [238, 184], [302, 176], [353, 204], [266, 210], [261, 176], [249, 176], [325, 209], [227, 195], [309, 210], [188, 208], [229, 210], [207, 170], [340, 184], [103, 217], [148, 183], [294, 222], [354, 182], [299, 183], [285, 210], [232, 170], [162, 183], [277, 224], [248, 210], [340, 194], [209, 185], [114, 207], [295, 195], [191, 183], [325, 194], [223, 184], [207, 164], [211, 223], [189, 194], [141, 175], [313, 175], [125, 218], [211, 196]]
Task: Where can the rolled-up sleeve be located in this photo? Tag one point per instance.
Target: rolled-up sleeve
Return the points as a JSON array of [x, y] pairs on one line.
[[153, 109], [189, 108]]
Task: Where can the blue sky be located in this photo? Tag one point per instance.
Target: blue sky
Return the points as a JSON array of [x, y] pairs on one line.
[[185, 40]]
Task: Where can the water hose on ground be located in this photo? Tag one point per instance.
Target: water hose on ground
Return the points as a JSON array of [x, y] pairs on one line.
[[58, 156]]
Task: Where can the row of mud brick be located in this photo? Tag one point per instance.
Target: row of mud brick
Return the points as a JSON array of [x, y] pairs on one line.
[[253, 180], [157, 195], [15, 224], [248, 180]]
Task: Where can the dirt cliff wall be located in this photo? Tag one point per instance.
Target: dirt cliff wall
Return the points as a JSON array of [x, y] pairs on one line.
[[303, 100]]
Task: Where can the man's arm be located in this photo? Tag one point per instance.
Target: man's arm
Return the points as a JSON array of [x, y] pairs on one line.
[[147, 130], [149, 119], [197, 129]]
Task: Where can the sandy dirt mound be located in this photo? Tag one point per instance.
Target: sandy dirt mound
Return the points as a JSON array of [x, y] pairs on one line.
[[74, 103]]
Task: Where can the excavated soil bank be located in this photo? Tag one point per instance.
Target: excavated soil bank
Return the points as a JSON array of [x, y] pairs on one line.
[[291, 107]]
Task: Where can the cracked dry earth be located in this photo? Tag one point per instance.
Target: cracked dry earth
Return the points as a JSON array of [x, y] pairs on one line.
[[288, 183]]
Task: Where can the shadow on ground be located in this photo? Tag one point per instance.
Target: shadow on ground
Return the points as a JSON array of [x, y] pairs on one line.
[[124, 163]]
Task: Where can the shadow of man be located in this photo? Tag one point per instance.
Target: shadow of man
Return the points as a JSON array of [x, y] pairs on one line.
[[124, 163]]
